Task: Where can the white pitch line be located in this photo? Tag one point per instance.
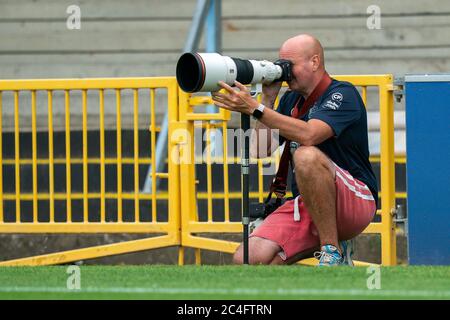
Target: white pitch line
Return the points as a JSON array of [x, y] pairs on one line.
[[239, 291]]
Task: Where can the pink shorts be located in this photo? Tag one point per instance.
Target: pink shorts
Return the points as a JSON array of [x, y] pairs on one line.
[[355, 210]]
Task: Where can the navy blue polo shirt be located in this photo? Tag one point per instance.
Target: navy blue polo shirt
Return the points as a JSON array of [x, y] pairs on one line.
[[342, 108]]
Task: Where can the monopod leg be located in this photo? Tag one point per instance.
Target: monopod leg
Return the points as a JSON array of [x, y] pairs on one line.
[[245, 143]]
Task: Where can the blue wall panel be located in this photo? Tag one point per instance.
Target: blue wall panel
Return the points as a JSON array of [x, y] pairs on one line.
[[428, 168]]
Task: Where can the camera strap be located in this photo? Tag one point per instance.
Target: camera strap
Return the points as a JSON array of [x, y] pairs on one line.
[[279, 183]]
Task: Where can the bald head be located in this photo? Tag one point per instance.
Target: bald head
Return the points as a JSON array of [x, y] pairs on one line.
[[303, 46], [308, 65]]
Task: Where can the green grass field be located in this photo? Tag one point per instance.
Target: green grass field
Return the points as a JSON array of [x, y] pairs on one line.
[[224, 282]]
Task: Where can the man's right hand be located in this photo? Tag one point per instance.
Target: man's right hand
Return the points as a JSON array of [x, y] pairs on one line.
[[270, 93]]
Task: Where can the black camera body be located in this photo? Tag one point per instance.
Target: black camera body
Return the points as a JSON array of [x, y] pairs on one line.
[[286, 66], [262, 210]]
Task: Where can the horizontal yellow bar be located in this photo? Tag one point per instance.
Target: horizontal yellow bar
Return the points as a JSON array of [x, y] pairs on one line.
[[79, 195], [209, 244], [88, 83], [374, 227], [204, 124], [401, 159], [232, 195], [236, 160], [88, 227], [219, 160], [235, 227], [255, 194], [207, 116], [95, 252], [358, 263], [77, 161], [214, 227], [366, 80], [199, 100], [359, 80], [308, 262], [148, 196]]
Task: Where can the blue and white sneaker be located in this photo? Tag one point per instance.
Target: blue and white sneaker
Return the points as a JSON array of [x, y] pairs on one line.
[[347, 252], [329, 256]]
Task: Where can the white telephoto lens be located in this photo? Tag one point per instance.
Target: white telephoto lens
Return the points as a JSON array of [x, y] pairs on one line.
[[201, 72], [265, 71], [218, 68]]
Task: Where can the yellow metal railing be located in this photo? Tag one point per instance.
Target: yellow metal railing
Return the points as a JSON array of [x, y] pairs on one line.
[[139, 224], [191, 224], [183, 226]]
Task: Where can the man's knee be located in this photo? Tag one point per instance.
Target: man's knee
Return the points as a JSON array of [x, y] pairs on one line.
[[261, 251], [308, 158]]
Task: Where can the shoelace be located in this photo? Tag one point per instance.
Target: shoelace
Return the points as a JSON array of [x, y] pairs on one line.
[[327, 257]]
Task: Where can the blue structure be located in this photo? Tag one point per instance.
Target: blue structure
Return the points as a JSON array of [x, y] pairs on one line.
[[428, 168], [207, 15]]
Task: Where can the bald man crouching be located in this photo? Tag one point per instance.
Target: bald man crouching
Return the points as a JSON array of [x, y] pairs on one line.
[[334, 188]]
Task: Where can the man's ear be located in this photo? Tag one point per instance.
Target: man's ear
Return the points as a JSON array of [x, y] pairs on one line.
[[315, 62]]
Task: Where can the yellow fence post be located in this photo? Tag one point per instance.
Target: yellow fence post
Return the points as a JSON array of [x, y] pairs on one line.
[[17, 153], [175, 198], [68, 159], [1, 157], [388, 236], [51, 174]]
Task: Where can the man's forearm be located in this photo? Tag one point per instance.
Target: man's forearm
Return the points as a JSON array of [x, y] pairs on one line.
[[290, 128]]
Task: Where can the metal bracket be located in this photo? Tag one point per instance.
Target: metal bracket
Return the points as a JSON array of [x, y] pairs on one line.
[[400, 218], [398, 88], [255, 89]]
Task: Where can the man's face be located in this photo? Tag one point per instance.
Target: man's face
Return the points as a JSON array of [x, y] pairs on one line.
[[302, 70]]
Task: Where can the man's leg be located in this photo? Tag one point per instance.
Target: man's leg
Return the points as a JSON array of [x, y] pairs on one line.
[[261, 251], [299, 256], [315, 177]]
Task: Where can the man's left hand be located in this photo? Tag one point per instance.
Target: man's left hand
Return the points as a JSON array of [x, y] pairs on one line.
[[235, 100]]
